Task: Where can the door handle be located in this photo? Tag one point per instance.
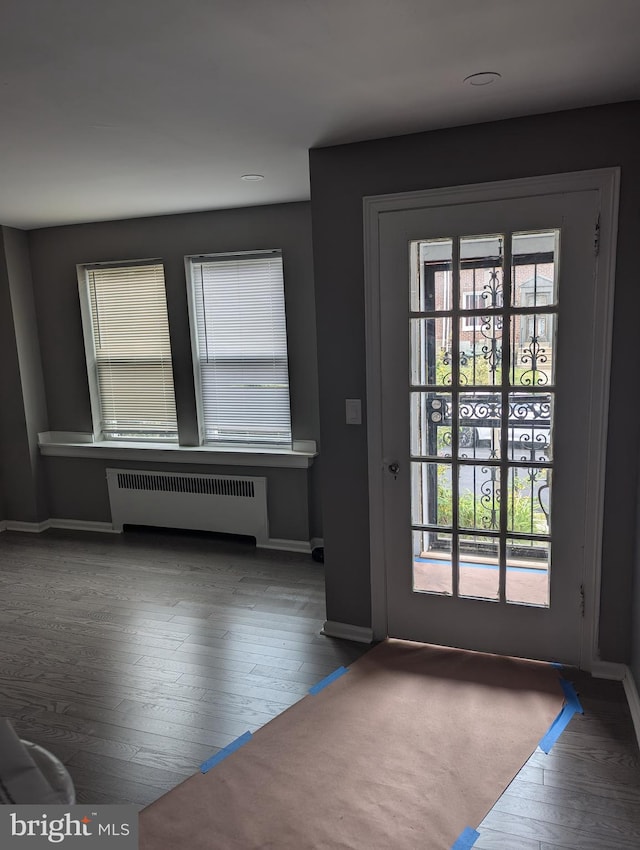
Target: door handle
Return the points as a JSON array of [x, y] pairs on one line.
[[394, 468]]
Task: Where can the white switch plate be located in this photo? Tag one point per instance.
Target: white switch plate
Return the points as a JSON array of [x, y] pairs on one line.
[[353, 408]]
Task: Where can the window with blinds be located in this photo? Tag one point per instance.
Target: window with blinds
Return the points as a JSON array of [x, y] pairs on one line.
[[241, 348], [129, 353]]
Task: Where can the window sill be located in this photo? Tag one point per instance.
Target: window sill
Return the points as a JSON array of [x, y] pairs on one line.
[[57, 444]]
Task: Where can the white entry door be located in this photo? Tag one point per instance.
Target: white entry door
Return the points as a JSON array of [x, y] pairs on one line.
[[488, 356]]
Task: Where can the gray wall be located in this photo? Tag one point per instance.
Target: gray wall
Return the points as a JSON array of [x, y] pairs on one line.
[[340, 177], [77, 488], [13, 450], [22, 399]]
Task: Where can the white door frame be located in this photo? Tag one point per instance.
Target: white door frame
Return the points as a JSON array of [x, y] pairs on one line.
[[607, 182]]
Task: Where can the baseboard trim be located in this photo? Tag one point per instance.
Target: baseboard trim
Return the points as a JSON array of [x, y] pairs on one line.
[[609, 670], [70, 524], [316, 543], [29, 527], [346, 631], [83, 525], [633, 698], [302, 546]]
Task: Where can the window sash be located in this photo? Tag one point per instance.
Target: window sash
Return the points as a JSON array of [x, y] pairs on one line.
[[130, 352], [240, 349], [472, 301]]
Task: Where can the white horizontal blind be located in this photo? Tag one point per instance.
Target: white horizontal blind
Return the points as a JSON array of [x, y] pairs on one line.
[[242, 349], [132, 352]]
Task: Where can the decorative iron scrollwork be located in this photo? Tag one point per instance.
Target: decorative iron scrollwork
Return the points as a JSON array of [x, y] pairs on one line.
[[447, 360], [492, 290], [491, 330], [534, 355], [490, 497]]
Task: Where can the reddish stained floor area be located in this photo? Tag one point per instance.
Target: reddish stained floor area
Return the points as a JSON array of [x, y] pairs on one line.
[[481, 581]]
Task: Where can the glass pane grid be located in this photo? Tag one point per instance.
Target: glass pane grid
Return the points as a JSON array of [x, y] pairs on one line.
[[482, 376]]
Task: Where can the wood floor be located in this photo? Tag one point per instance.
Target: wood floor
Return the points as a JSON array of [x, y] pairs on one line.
[[135, 657]]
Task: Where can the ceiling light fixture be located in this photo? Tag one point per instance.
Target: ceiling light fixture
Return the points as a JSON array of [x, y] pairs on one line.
[[252, 177], [483, 78]]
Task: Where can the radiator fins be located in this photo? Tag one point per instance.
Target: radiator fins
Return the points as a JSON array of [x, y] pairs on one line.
[[204, 485]]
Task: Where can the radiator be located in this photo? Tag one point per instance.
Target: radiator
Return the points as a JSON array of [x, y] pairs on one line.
[[221, 503]]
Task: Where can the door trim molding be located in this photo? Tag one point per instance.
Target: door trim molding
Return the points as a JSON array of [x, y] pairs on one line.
[[622, 673], [611, 670], [606, 181], [345, 631], [633, 698]]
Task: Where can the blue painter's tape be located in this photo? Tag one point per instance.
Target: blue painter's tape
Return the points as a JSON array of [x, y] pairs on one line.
[[557, 665], [233, 746], [557, 728], [572, 705], [474, 565], [466, 839], [314, 689], [571, 696]]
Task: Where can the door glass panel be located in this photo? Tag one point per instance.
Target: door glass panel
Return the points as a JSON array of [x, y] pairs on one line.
[[482, 515], [479, 496], [479, 567], [431, 494], [431, 352], [533, 349], [481, 272], [431, 279], [528, 571], [533, 269], [432, 569], [479, 422], [529, 427], [481, 350], [430, 424], [528, 500]]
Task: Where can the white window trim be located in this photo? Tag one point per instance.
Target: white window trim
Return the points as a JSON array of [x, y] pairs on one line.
[[72, 444], [193, 341], [89, 349]]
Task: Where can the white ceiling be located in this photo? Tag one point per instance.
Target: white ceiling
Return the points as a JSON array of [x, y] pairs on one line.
[[119, 108]]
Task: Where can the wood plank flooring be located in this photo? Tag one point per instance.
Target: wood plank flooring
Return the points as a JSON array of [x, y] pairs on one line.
[[135, 657]]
